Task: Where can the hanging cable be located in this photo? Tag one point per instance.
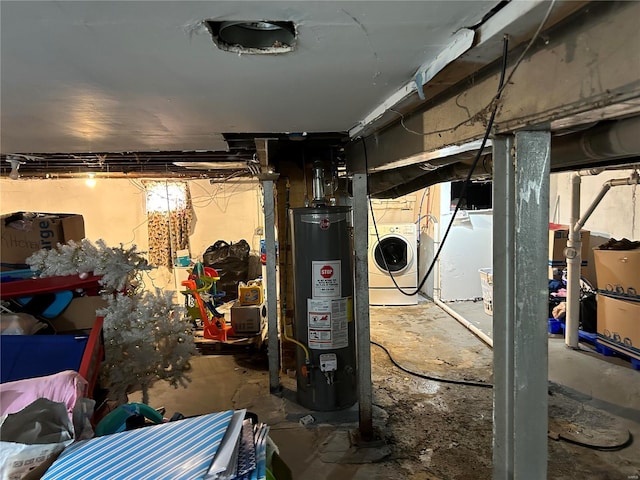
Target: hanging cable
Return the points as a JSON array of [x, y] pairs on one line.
[[463, 191], [495, 97], [429, 377]]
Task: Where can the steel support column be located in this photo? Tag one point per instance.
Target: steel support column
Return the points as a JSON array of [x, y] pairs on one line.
[[361, 304], [272, 301], [520, 299]]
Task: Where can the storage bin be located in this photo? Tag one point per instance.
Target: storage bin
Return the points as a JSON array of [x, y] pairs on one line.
[[28, 356], [618, 271], [486, 280], [555, 326], [619, 325]]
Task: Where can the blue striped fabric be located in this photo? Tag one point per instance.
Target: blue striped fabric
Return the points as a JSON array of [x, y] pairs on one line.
[[181, 450]]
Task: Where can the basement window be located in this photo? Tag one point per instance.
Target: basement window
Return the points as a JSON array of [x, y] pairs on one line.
[[166, 196], [253, 37], [478, 196]]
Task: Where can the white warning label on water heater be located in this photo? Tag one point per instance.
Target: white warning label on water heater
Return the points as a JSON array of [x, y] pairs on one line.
[[327, 320], [325, 279]]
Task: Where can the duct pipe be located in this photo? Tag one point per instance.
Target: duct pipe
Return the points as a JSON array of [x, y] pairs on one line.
[[385, 185], [573, 250], [608, 139], [613, 139], [318, 184]]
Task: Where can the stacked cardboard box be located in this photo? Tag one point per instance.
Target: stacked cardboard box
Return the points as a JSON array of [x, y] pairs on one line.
[[618, 283], [24, 233], [558, 236]]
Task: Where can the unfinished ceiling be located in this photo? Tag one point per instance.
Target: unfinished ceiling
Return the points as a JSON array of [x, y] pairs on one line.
[[139, 76], [134, 87]]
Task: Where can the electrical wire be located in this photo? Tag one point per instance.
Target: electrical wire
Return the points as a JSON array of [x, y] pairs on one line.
[[495, 98], [463, 191], [429, 377]]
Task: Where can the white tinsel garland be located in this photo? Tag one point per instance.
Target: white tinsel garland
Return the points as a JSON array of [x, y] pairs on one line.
[[117, 266]]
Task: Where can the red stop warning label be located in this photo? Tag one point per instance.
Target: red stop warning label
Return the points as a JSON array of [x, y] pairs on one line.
[[326, 279], [326, 271], [325, 223]]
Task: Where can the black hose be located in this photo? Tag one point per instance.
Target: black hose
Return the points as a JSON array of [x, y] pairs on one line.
[[602, 448], [429, 377]]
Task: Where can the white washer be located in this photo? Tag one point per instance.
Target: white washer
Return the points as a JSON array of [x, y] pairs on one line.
[[397, 246]]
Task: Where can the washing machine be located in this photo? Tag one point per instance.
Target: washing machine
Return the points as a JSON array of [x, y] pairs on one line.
[[393, 253]]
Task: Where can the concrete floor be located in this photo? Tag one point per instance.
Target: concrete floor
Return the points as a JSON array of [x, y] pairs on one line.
[[321, 450], [604, 381]]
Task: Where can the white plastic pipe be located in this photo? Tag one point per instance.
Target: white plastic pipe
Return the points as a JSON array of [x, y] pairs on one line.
[[574, 261], [574, 245], [465, 323]]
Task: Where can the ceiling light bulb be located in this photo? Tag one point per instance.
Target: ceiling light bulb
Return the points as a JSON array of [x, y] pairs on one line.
[[91, 181]]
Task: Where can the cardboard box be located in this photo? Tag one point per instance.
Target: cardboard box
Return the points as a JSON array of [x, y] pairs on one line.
[[248, 319], [79, 315], [21, 238], [618, 271], [558, 236], [619, 325]]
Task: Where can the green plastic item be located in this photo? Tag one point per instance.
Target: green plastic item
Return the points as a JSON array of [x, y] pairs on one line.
[[116, 421]]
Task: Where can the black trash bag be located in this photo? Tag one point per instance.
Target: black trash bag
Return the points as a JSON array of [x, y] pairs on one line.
[[589, 313], [231, 261]]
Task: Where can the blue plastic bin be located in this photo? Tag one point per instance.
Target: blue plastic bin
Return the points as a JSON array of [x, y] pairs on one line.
[[27, 356], [555, 326]]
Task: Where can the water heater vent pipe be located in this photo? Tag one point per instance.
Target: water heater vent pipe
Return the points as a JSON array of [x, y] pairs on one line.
[[318, 184]]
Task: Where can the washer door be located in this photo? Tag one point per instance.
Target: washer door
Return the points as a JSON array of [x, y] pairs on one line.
[[393, 255]]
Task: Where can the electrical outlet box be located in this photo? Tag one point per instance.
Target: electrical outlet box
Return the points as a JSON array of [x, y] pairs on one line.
[[328, 362]]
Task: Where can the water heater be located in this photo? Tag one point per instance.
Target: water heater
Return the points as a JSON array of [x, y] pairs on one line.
[[324, 323]]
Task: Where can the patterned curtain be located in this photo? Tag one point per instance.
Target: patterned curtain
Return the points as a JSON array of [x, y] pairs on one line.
[[169, 214]]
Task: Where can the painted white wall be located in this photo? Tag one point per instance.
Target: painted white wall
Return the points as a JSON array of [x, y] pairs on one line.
[[618, 215], [114, 210], [396, 210], [467, 248]]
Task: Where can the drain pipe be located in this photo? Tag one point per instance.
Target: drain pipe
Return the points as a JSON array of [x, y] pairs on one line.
[[437, 290], [574, 246], [465, 323]]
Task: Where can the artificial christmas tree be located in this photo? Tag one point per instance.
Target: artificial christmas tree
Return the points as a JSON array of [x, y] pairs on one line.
[[147, 337]]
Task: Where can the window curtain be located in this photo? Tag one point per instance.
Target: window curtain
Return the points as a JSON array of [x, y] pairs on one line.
[[169, 214]]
